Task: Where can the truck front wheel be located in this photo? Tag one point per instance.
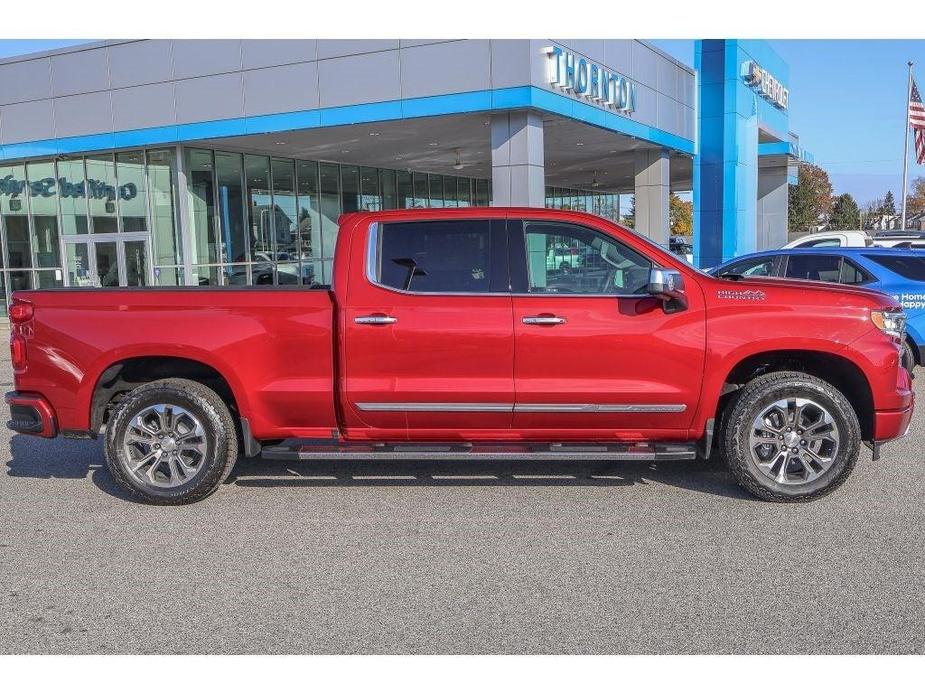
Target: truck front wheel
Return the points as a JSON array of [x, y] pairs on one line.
[[788, 436], [171, 441]]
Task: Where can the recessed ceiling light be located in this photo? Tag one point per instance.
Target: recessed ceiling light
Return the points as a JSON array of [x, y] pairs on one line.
[[579, 144]]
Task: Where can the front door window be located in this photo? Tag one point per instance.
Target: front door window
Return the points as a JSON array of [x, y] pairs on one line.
[[568, 259]]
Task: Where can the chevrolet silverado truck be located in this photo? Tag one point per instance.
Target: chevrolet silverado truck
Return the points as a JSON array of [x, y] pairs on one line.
[[460, 334]]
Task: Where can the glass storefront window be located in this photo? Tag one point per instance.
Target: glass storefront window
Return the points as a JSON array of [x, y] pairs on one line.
[[464, 192], [369, 190], [330, 207], [205, 276], [161, 178], [481, 193], [309, 211], [285, 221], [449, 191], [233, 275], [350, 188], [168, 276], [43, 197], [259, 207], [405, 190], [78, 264], [101, 190], [253, 219], [420, 189], [435, 192], [72, 196], [133, 193], [18, 248], [229, 175], [389, 189], [136, 263], [21, 279], [46, 279], [200, 178]]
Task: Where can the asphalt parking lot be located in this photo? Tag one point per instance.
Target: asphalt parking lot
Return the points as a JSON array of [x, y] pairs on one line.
[[453, 558]]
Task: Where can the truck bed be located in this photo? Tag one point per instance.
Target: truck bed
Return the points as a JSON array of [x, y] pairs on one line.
[[274, 343]]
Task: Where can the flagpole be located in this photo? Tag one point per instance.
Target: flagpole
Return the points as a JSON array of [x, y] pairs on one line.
[[906, 145]]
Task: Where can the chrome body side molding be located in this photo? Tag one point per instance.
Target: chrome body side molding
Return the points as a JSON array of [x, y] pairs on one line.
[[522, 408]]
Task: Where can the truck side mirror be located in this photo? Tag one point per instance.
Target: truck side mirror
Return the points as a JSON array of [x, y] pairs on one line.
[[668, 285]]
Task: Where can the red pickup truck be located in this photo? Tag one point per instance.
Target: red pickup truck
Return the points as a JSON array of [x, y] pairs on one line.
[[473, 334]]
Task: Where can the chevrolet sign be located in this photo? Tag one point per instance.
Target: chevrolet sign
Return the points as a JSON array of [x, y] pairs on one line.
[[765, 84]]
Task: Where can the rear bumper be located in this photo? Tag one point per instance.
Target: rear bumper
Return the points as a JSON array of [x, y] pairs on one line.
[[30, 413]]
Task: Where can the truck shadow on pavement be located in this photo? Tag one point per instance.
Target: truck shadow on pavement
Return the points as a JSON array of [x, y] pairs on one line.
[[60, 459]]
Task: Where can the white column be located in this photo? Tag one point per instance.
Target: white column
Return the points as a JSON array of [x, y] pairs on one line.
[[652, 188], [772, 207], [517, 166]]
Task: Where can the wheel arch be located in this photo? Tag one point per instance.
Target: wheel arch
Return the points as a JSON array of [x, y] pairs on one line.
[[840, 371], [121, 376]]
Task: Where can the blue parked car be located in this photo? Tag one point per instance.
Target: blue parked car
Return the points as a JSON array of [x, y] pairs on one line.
[[897, 272]]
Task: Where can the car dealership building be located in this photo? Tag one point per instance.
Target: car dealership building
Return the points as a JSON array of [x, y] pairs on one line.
[[223, 162]]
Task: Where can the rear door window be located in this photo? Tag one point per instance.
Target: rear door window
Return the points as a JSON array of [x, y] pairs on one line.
[[821, 268], [853, 274], [912, 267], [444, 257]]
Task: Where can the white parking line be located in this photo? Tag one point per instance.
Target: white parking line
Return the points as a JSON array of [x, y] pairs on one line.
[[384, 477], [543, 477], [464, 477]]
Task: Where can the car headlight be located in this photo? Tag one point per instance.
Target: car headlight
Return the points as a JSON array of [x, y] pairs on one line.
[[893, 323]]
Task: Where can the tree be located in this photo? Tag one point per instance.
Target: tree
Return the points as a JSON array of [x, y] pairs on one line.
[[810, 200], [630, 219], [888, 206], [845, 213], [680, 216], [915, 201]]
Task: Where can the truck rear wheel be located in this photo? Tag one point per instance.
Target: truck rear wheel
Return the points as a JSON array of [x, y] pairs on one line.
[[171, 441], [788, 436]]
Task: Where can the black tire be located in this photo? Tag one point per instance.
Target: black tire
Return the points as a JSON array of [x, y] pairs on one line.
[[209, 411], [749, 402]]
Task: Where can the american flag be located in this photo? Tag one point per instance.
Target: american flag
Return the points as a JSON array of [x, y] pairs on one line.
[[917, 122]]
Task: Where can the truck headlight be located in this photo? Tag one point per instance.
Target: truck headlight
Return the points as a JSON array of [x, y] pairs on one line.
[[893, 323]]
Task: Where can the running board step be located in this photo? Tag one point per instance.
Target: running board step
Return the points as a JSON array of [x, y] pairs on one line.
[[327, 450]]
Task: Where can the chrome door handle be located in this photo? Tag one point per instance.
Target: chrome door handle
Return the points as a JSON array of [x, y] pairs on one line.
[[543, 320], [375, 320]]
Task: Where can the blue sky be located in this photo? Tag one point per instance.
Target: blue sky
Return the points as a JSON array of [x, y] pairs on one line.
[[847, 103]]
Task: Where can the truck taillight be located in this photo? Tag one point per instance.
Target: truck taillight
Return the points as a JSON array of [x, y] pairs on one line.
[[20, 311], [18, 352]]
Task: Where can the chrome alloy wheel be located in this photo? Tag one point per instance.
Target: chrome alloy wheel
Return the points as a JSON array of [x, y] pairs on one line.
[[165, 445], [793, 441]]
